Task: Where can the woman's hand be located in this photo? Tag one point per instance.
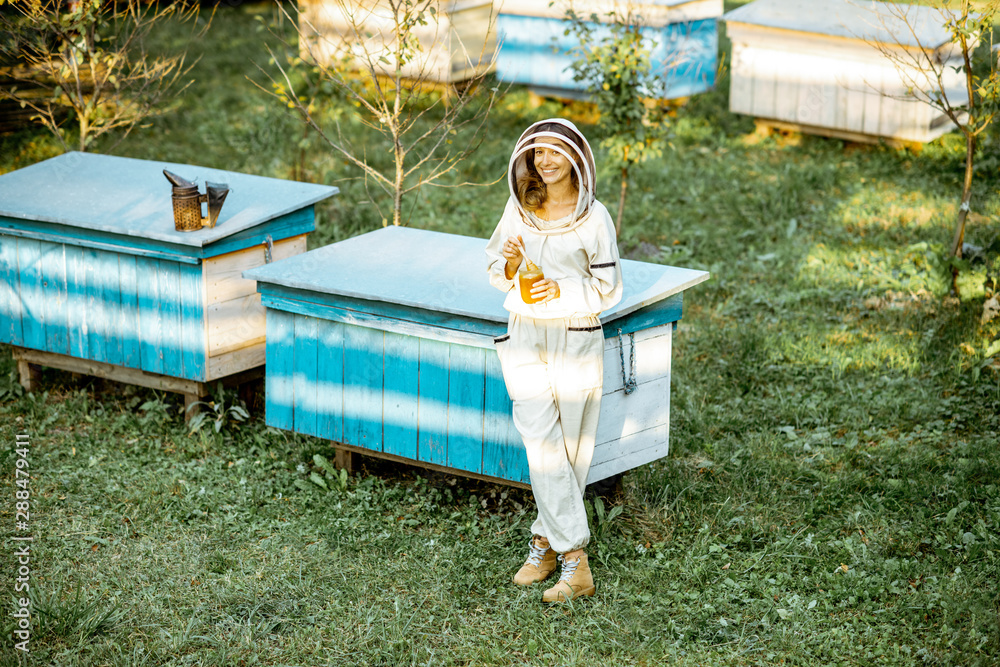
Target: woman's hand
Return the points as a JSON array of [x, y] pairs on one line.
[[545, 290], [513, 252]]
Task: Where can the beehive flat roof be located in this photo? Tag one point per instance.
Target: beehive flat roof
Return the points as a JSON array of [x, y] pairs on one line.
[[390, 265], [131, 197]]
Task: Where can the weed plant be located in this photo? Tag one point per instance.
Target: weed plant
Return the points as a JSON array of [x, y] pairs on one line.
[[830, 497]]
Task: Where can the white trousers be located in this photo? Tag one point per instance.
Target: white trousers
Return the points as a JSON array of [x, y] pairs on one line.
[[554, 374]]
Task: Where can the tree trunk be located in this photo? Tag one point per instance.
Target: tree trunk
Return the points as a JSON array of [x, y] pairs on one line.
[[621, 201], [963, 208]]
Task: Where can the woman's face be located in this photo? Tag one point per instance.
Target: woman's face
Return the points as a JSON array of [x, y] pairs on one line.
[[553, 167]]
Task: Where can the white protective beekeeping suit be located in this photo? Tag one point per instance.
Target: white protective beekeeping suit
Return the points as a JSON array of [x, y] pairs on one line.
[[552, 354]]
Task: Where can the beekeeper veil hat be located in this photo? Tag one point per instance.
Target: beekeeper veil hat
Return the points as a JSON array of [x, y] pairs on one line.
[[579, 154]]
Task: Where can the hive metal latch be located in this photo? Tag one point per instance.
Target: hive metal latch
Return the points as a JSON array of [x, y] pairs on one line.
[[628, 379]]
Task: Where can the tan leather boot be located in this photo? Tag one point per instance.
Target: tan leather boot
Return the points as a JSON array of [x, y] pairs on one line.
[[575, 581], [540, 564]]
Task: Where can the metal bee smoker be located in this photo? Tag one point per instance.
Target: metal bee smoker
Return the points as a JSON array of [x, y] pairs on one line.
[[187, 203]]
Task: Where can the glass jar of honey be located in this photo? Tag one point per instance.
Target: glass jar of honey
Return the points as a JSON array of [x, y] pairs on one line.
[[527, 279]]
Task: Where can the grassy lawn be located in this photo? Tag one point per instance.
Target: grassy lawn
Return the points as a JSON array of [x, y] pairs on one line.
[[831, 496]]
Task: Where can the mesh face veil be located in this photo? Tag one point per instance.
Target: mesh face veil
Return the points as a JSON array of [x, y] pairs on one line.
[[579, 155]]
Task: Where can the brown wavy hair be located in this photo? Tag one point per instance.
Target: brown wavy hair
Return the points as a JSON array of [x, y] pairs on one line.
[[531, 190]]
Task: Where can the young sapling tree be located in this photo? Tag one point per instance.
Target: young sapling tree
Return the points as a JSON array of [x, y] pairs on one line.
[[90, 62], [929, 75], [381, 64]]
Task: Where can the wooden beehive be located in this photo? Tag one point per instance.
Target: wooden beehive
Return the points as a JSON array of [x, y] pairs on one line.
[[371, 347], [457, 43], [96, 280], [817, 67], [535, 51]]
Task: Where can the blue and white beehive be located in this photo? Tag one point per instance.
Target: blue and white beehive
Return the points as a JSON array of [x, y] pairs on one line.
[[95, 279], [370, 346], [535, 52]]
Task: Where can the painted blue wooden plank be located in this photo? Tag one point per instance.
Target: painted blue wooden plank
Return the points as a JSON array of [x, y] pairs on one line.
[[400, 395], [53, 266], [330, 369], [10, 293], [170, 316], [150, 329], [111, 299], [131, 333], [192, 315], [363, 374], [30, 281], [279, 351], [304, 377], [432, 402], [503, 451], [76, 297], [99, 325], [466, 387]]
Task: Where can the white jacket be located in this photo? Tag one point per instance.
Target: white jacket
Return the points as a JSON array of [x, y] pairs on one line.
[[581, 256]]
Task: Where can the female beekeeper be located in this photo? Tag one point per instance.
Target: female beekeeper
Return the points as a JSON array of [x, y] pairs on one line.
[[552, 354]]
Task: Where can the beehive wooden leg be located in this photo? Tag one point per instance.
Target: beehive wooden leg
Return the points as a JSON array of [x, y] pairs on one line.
[[343, 458], [191, 407], [29, 374]]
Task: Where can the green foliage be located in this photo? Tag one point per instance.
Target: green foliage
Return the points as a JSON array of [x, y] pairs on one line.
[[323, 475], [225, 411]]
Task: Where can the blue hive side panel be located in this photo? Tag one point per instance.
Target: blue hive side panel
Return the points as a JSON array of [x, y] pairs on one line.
[[150, 325], [192, 306], [96, 304], [76, 294], [535, 52]]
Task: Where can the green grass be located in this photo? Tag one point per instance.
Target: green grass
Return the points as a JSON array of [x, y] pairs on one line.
[[830, 497]]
